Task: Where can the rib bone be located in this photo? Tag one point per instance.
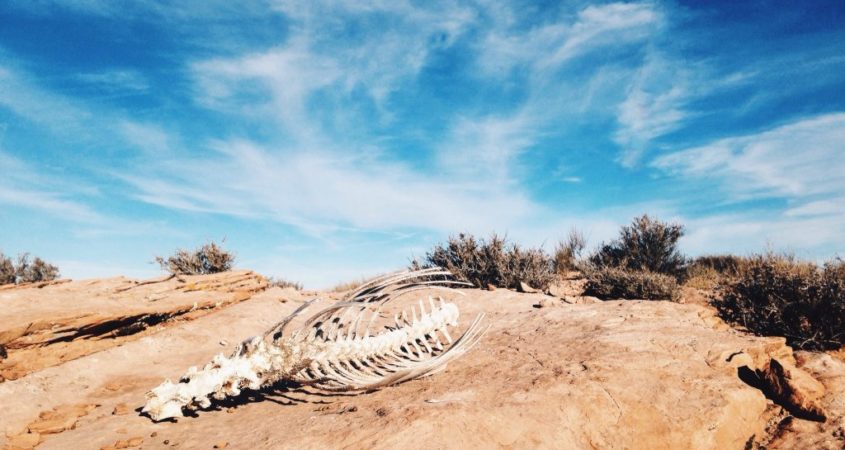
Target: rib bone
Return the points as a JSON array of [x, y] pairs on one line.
[[328, 353]]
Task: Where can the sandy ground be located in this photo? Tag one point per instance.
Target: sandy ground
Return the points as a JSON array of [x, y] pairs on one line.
[[569, 372]]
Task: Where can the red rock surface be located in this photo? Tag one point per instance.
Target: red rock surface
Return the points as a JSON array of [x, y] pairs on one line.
[[569, 374]]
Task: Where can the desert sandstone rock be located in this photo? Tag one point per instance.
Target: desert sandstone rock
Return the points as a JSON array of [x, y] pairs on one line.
[[48, 323], [620, 374]]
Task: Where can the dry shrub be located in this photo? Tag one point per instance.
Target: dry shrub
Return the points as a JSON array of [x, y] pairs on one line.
[[777, 295], [348, 285], [491, 262], [282, 283], [210, 258], [646, 244], [707, 272], [26, 271], [7, 270], [567, 252], [723, 264], [702, 277], [619, 283]]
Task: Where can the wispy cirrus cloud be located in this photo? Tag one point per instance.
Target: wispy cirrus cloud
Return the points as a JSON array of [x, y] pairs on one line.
[[321, 192], [546, 47], [116, 81], [23, 186], [796, 160], [800, 162], [652, 107]]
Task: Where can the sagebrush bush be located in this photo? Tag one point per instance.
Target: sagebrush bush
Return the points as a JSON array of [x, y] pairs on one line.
[[491, 262], [777, 295], [7, 270], [26, 271], [567, 252], [210, 258], [646, 244], [282, 283], [619, 283], [706, 272], [723, 264]]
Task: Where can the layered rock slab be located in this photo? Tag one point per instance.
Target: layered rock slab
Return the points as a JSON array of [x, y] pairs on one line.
[[46, 324], [623, 374]]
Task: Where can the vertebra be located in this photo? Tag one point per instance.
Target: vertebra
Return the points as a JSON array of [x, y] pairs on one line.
[[334, 350]]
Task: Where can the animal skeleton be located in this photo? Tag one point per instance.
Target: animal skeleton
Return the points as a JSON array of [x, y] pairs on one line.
[[330, 352]]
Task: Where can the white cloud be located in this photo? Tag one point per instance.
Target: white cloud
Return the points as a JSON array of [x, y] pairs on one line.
[[391, 47], [116, 81], [816, 237], [24, 187], [149, 138], [548, 46], [653, 106], [27, 100], [796, 160], [319, 191], [484, 150], [800, 162]]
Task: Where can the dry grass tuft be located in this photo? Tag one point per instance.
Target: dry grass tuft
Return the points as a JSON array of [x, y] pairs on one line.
[[210, 258], [777, 295], [282, 283], [26, 271], [707, 272], [348, 285], [568, 252], [491, 262], [618, 283]]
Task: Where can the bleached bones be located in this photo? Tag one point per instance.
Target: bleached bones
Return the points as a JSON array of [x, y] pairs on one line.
[[330, 351]]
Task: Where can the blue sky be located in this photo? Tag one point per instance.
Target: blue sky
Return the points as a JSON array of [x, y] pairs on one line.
[[329, 140]]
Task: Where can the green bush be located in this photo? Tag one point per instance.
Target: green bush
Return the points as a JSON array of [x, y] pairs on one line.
[[567, 252], [776, 295], [619, 283], [492, 262], [210, 258], [647, 245], [26, 271]]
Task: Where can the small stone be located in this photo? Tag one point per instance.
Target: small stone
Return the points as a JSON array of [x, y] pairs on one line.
[[547, 302], [135, 441], [221, 444], [491, 287], [523, 287], [112, 386], [154, 434], [121, 409], [224, 342], [166, 441]]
